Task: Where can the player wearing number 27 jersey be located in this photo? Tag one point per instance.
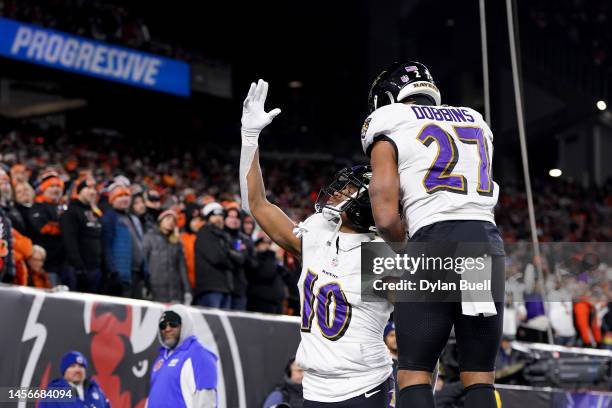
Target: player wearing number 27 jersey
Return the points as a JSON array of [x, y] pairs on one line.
[[346, 363], [436, 160], [446, 150]]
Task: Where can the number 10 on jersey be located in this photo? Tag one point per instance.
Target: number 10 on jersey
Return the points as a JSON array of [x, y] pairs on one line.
[[333, 324]]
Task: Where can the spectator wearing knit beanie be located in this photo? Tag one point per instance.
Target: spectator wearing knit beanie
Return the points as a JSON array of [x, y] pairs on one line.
[[85, 391], [122, 240], [164, 255], [44, 223], [214, 260], [82, 237]]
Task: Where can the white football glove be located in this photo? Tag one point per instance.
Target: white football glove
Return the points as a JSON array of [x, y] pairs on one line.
[[254, 117]]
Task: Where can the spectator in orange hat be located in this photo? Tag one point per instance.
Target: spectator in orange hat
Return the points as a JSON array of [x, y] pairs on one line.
[[44, 221], [82, 237], [122, 236]]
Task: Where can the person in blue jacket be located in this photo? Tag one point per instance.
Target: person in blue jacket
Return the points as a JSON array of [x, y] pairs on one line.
[[86, 393], [122, 240], [185, 373]]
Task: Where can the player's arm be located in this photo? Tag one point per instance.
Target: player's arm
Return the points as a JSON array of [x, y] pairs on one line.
[[384, 194], [269, 217]]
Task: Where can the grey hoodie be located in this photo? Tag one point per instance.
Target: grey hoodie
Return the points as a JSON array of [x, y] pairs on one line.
[[187, 329]]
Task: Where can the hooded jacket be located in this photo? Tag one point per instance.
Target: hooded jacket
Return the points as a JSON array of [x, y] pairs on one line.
[[167, 271], [93, 395], [186, 375]]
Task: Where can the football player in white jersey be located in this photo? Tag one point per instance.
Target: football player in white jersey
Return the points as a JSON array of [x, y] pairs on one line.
[[436, 161], [342, 351]]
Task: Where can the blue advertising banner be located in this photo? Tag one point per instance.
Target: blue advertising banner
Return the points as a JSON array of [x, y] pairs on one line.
[[80, 55]]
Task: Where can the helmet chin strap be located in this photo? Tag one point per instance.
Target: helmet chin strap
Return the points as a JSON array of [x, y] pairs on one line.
[[335, 233], [333, 214]]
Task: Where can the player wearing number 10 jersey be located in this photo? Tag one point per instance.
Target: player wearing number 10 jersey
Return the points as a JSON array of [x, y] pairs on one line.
[[436, 160], [346, 363]]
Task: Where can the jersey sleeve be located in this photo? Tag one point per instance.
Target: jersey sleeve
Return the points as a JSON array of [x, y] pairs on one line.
[[381, 125], [483, 124], [317, 228]]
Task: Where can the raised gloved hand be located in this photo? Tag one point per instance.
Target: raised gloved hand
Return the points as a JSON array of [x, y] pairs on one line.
[[187, 299], [254, 117]]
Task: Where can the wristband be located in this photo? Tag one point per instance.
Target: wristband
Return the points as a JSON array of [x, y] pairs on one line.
[[250, 137]]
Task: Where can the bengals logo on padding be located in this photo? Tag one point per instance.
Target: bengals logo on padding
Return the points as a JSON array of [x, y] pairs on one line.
[[158, 365]]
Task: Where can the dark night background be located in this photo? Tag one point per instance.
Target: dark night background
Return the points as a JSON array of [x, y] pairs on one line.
[[334, 50]]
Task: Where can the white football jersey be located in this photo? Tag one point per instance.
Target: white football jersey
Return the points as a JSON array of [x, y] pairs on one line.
[[444, 156], [342, 349]]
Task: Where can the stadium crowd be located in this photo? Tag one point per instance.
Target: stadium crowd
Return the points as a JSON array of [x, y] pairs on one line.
[[115, 221], [120, 221]]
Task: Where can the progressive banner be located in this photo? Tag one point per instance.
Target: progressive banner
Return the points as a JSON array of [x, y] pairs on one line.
[[80, 55]]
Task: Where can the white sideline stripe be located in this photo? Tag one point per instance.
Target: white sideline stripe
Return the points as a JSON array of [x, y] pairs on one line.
[[83, 297], [564, 349], [544, 389], [231, 340]]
